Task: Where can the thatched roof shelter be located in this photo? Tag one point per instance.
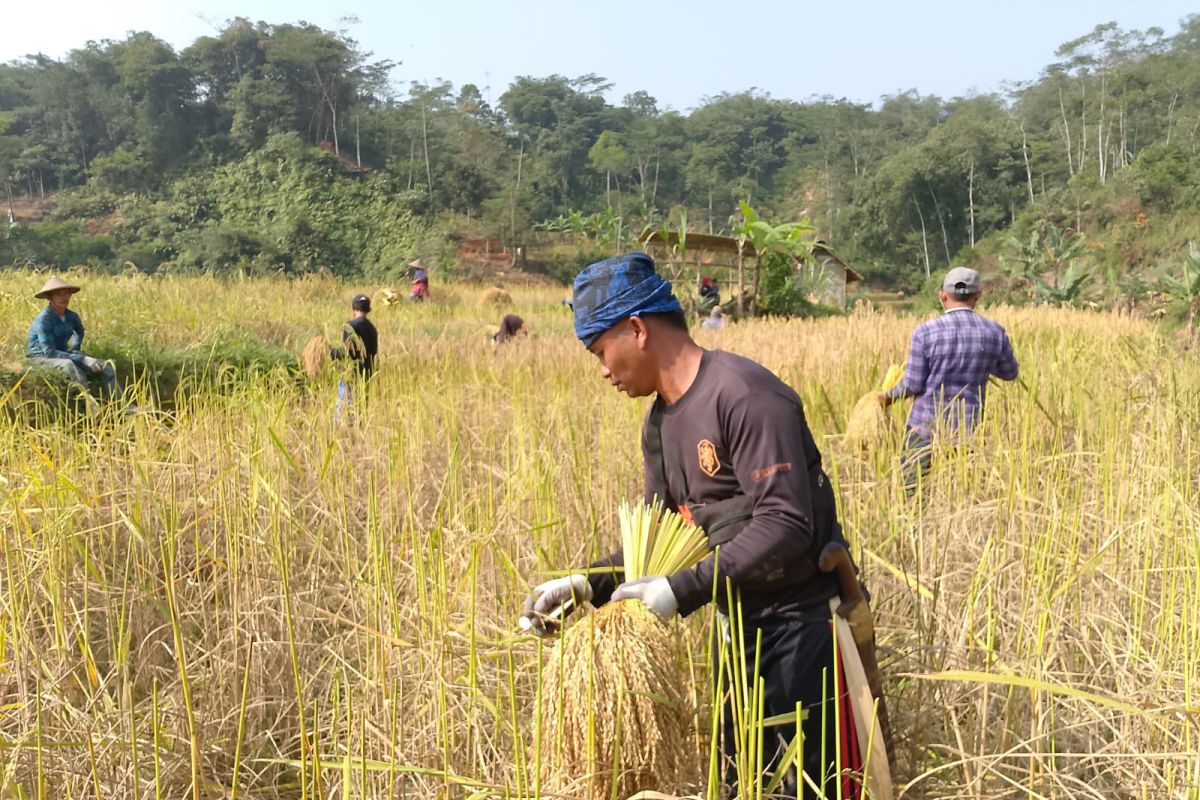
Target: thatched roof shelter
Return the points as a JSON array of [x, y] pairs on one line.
[[831, 274]]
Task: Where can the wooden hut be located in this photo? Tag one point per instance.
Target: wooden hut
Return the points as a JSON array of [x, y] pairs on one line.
[[736, 265], [841, 279]]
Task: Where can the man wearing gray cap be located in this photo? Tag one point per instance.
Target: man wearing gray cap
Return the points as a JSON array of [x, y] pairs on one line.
[[949, 363]]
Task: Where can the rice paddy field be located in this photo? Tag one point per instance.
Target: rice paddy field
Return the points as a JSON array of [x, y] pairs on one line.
[[242, 599]]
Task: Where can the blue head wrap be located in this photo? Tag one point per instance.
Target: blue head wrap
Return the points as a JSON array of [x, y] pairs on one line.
[[615, 289]]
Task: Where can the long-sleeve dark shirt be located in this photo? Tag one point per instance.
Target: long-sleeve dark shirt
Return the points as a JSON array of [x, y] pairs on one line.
[[362, 344], [740, 430], [52, 336]]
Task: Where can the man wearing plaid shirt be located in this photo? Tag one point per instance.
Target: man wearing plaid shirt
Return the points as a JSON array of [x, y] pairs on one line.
[[949, 363]]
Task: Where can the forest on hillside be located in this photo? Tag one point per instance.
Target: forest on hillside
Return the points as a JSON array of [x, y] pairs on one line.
[[286, 147]]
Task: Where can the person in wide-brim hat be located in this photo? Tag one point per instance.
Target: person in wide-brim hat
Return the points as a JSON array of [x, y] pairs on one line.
[[56, 338], [420, 284], [55, 284]]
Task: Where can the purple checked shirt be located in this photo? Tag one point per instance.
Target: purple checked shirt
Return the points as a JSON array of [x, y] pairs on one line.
[[949, 363]]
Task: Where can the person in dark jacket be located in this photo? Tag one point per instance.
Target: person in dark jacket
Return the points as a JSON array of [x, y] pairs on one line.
[[727, 443], [360, 344], [710, 294]]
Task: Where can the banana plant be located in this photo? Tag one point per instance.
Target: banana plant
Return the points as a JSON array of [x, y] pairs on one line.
[[1066, 290], [1047, 250], [1186, 288], [793, 239]]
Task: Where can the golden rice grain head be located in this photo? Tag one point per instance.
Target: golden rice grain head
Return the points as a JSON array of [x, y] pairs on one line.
[[315, 354], [892, 378], [616, 713]]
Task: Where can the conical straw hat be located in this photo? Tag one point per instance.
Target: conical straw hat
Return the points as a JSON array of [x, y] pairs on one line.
[[53, 285]]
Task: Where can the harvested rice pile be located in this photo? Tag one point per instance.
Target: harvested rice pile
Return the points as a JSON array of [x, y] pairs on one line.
[[613, 689], [494, 296], [868, 419], [616, 716], [316, 352]]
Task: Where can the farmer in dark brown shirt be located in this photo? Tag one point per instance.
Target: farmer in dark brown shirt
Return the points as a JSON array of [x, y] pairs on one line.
[[727, 443]]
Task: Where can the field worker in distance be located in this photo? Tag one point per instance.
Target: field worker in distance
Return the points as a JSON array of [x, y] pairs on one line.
[[420, 284], [727, 444], [714, 320], [710, 294], [360, 344], [56, 336], [511, 327], [949, 363]]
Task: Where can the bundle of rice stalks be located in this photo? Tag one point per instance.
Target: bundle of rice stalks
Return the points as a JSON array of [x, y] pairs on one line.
[[617, 716], [494, 296], [316, 352], [868, 420], [386, 297]]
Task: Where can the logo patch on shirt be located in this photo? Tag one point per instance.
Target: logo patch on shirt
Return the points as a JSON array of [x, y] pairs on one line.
[[709, 463], [766, 472]]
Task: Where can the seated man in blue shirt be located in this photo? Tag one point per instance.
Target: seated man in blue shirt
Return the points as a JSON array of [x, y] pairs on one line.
[[950, 361], [56, 336]]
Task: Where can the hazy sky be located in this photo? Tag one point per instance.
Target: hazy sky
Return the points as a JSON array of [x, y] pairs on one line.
[[679, 52]]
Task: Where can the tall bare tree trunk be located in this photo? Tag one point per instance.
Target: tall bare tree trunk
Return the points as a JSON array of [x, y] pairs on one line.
[[971, 200], [828, 197], [1066, 132], [654, 191], [425, 146], [937, 207], [327, 96], [1123, 145], [924, 236], [412, 160], [1082, 129], [741, 278], [1170, 115], [1025, 154], [1101, 161], [620, 217], [513, 207]]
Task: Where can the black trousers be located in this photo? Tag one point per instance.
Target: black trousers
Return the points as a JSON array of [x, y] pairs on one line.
[[796, 664]]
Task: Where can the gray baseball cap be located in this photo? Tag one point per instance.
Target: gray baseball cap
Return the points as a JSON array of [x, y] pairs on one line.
[[961, 282]]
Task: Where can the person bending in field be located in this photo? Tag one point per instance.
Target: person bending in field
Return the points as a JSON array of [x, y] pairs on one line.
[[360, 344], [56, 338], [511, 327], [949, 363], [725, 442]]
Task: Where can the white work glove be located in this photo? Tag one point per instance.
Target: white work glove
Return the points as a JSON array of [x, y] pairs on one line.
[[549, 602], [93, 365], [655, 592]]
